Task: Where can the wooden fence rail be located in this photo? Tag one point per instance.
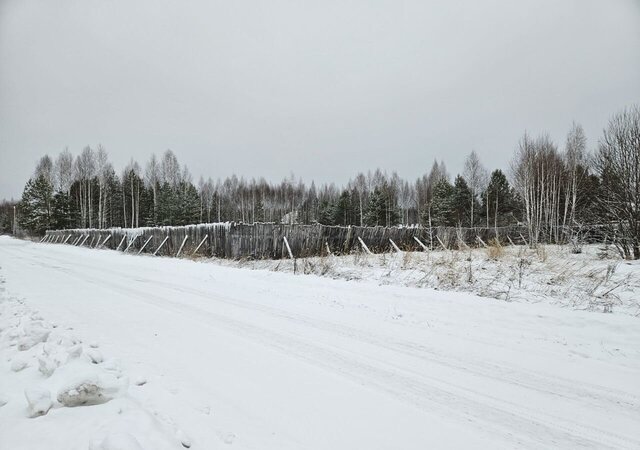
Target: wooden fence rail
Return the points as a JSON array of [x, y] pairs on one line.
[[267, 240]]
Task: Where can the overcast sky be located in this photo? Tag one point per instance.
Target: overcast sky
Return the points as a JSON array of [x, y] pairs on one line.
[[323, 89]]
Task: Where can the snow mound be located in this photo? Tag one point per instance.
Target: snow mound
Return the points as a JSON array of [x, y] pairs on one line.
[[18, 364], [59, 375], [34, 332], [89, 385], [39, 401]]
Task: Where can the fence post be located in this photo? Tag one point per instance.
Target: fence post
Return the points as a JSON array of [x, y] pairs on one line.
[[104, 242], [364, 246], [182, 245], [131, 243], [158, 249], [288, 248], [200, 245], [145, 244], [424, 247]]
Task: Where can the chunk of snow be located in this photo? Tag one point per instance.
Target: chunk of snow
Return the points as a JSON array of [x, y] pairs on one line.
[[90, 386], [74, 352], [94, 355], [35, 335], [38, 400], [18, 364], [47, 365]]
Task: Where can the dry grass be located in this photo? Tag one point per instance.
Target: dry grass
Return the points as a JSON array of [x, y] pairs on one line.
[[495, 251]]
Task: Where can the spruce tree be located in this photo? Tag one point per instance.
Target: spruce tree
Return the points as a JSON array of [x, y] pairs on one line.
[[462, 199], [443, 212], [64, 214], [36, 205], [501, 207], [187, 204]]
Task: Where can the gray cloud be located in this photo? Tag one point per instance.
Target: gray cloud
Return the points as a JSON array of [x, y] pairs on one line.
[[321, 89]]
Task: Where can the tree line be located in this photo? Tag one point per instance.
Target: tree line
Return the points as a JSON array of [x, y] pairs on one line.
[[546, 188]]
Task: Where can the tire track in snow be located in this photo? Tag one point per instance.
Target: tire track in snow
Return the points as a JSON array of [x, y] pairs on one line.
[[405, 386], [536, 382]]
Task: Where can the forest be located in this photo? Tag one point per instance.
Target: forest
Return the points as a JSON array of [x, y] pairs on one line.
[[547, 187]]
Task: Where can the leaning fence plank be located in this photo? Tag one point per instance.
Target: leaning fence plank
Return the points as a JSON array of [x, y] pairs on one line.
[[105, 241], [145, 244], [43, 238], [85, 240], [395, 247], [509, 237], [525, 241], [424, 247], [200, 244], [328, 249], [121, 241], [484, 244], [158, 249], [288, 248], [182, 245], [364, 246], [131, 243], [441, 243]]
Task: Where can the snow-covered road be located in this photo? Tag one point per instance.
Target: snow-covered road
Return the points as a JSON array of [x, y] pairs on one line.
[[261, 360]]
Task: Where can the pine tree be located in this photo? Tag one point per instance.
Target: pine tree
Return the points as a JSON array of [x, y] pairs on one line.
[[443, 211], [343, 210], [187, 205], [326, 213], [462, 199], [380, 210], [500, 197], [64, 214], [36, 205]]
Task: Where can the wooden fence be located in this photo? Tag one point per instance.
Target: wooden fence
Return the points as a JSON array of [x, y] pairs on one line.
[[267, 240]]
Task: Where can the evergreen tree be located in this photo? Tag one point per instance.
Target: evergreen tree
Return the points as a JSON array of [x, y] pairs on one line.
[[343, 210], [36, 205], [443, 206], [462, 201], [380, 210], [188, 204], [500, 197], [326, 213], [166, 205], [64, 214]]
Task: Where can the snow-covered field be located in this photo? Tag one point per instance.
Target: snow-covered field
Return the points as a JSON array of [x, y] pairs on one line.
[[100, 350], [595, 279]]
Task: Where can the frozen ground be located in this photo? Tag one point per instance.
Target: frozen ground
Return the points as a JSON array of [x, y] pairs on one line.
[[113, 351]]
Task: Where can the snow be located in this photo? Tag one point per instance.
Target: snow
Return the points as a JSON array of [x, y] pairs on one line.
[[552, 274], [223, 357]]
